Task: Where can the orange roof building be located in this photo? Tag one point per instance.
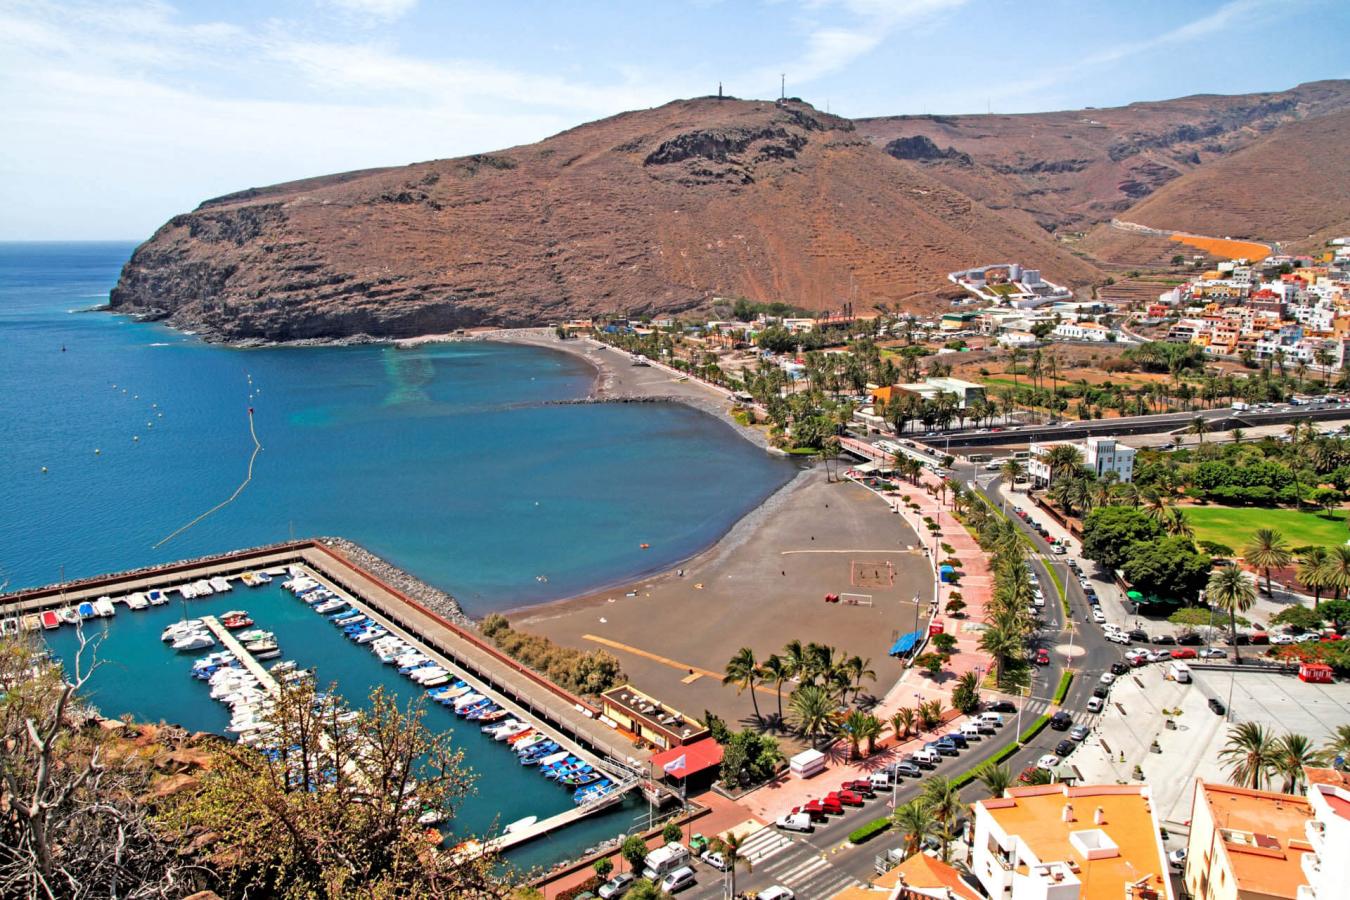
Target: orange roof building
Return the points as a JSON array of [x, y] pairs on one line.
[[1246, 844], [1327, 867], [920, 877], [1056, 842]]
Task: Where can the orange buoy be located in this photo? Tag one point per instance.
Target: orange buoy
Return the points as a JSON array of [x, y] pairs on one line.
[[645, 546]]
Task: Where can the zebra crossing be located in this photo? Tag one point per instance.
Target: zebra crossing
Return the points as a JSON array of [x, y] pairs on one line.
[[794, 864]]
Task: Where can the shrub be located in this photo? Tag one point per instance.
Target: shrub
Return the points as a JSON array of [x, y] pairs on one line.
[[672, 833], [582, 672], [1064, 681], [1036, 728], [869, 831]]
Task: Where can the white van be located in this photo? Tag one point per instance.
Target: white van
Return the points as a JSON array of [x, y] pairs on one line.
[[664, 860], [1179, 672], [972, 730], [992, 718], [928, 757]]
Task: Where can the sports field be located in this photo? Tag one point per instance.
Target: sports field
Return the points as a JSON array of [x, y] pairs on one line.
[[1233, 526]]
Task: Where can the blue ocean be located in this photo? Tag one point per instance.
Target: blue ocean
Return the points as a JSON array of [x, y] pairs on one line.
[[445, 459]]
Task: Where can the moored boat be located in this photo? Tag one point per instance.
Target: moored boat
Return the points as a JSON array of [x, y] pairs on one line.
[[86, 610], [520, 824], [50, 619], [220, 584], [156, 598], [137, 601], [103, 607]]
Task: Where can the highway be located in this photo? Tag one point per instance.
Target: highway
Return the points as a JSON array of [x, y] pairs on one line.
[[820, 863]]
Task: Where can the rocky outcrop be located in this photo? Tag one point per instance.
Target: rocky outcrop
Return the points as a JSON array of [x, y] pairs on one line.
[[922, 149], [656, 211]]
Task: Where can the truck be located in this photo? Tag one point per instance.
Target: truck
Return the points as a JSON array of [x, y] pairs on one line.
[[1239, 406], [664, 860]]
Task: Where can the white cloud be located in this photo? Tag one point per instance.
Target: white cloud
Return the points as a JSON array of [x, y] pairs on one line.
[[386, 10]]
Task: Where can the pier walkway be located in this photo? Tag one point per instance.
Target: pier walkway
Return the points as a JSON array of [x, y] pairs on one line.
[[245, 658]]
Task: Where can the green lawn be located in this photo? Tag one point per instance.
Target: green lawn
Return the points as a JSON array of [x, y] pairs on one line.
[[1233, 526]]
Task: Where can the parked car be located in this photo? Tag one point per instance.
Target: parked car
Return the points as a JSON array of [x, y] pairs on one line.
[[1095, 704], [1217, 706], [1047, 761], [1117, 637], [1061, 720], [1165, 640], [775, 892], [956, 738], [1119, 668], [1184, 653], [1079, 733], [1064, 748], [797, 821], [908, 769], [1107, 678], [1001, 706], [1239, 639], [1139, 634], [1098, 616], [858, 786], [1160, 655], [1101, 692], [617, 886], [1212, 653], [715, 859], [846, 798], [1042, 657], [1177, 858], [678, 880], [1190, 639]]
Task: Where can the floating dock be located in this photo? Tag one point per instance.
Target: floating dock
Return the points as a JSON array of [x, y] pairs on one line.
[[232, 644]]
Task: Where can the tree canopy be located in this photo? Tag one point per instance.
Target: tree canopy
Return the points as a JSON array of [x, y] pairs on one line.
[[1109, 532]]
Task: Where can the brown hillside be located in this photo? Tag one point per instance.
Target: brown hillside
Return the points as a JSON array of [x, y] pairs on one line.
[[1072, 170], [1289, 187], [650, 211]]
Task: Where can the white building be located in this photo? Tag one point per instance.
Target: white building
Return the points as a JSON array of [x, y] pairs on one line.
[[1327, 867], [1082, 331], [1054, 842], [1100, 455]]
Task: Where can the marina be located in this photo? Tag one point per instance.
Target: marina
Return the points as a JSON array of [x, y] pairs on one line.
[[519, 733]]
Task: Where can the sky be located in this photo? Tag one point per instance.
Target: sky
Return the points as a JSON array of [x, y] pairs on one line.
[[118, 114]]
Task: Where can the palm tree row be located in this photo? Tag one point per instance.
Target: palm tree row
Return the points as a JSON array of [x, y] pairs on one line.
[[933, 813], [1254, 757], [825, 680], [1008, 617]]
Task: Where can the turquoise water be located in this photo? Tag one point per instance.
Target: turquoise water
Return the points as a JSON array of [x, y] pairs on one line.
[[443, 459], [139, 673]]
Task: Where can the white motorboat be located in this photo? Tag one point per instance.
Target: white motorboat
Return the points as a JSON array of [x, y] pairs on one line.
[[203, 588], [156, 598], [281, 668], [220, 584], [137, 601], [374, 633], [521, 824], [554, 759], [328, 606], [526, 743], [196, 640], [103, 606], [506, 729], [187, 590], [437, 681], [178, 629], [253, 634], [468, 699], [426, 673]]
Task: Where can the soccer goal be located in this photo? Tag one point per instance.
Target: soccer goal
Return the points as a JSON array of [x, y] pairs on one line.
[[856, 599]]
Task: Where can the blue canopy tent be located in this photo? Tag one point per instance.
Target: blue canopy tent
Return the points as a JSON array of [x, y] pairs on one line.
[[906, 643]]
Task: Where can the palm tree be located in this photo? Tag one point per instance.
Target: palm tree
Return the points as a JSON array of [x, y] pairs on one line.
[[1293, 752], [859, 670], [1177, 525], [870, 731], [853, 726], [943, 799], [1229, 590], [1338, 569], [995, 778], [930, 714], [1267, 550], [1338, 746], [794, 657], [1312, 572], [1249, 754], [731, 852], [903, 722], [743, 671], [812, 710], [1155, 504], [1198, 427], [1062, 458], [1003, 644], [1013, 470], [916, 822], [777, 670], [1237, 434]]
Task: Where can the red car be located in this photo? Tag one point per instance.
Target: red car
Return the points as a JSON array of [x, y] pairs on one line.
[[1042, 657], [1183, 653], [1027, 774], [847, 798], [862, 786], [812, 809]]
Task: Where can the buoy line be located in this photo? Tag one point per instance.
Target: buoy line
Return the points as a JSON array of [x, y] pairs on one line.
[[257, 448]]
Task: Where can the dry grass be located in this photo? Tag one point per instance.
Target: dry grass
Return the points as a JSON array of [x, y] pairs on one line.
[[1225, 247]]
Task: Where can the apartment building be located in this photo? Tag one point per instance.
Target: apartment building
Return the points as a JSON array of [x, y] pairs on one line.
[[1100, 455], [1327, 867], [1056, 842], [1246, 844]]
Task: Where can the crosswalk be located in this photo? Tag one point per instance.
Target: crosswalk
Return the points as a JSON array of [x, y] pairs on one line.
[[796, 865]]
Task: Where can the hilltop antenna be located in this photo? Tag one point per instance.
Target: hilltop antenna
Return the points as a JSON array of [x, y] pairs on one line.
[[719, 90], [782, 86]]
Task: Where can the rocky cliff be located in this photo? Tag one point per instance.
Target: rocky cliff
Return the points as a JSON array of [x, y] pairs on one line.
[[655, 211]]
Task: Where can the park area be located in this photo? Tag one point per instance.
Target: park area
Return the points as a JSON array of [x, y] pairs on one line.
[[1233, 526]]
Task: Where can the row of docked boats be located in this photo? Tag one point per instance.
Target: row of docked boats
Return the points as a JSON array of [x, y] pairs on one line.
[[532, 745], [250, 703], [106, 607]]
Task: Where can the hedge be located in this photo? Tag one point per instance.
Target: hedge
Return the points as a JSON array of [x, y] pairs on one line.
[[971, 774], [1064, 681], [869, 831], [1036, 728]]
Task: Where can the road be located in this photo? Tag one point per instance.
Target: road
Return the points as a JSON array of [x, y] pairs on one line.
[[1224, 419], [819, 864]]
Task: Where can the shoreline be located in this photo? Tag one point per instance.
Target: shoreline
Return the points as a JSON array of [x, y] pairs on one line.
[[735, 536]]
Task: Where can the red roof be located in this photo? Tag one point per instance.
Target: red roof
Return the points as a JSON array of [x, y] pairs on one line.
[[698, 756]]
